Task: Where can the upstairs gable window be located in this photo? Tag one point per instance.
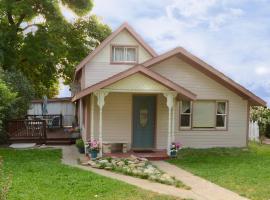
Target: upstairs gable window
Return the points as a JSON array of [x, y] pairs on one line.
[[124, 54]]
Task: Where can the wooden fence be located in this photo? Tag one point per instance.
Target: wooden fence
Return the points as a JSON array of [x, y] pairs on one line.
[[28, 130]]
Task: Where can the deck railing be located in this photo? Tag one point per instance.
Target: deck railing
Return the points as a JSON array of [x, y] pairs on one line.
[[52, 121], [34, 129]]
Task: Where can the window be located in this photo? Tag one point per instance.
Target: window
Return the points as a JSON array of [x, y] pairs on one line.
[[124, 54], [221, 114], [185, 118], [203, 114]]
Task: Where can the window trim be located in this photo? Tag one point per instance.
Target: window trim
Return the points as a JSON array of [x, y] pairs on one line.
[[124, 62], [205, 129]]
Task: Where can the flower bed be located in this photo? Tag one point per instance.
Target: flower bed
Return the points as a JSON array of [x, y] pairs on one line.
[[135, 166]]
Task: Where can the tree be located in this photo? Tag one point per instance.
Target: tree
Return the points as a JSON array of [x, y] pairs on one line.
[[38, 41], [262, 116], [7, 99], [18, 84]]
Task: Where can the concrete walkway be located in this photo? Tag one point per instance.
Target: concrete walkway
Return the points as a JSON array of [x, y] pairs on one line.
[[201, 189], [200, 186]]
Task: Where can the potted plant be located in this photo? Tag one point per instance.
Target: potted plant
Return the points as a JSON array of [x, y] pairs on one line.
[[93, 147], [175, 146], [80, 145]]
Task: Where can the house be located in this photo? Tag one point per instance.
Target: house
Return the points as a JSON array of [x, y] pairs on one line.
[[127, 93]]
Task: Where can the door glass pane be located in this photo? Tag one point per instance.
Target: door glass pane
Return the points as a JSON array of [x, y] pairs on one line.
[[143, 117]]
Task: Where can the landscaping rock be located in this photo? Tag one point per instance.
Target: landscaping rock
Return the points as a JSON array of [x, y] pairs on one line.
[[134, 166]]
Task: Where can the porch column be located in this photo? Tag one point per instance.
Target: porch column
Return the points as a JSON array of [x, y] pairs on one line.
[[81, 114], [92, 99], [100, 102], [173, 121], [170, 104]]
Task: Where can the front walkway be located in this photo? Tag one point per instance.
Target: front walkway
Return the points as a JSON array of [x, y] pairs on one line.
[[200, 188]]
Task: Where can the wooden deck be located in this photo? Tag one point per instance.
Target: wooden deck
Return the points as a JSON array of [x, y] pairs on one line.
[[53, 137], [39, 131], [59, 136]]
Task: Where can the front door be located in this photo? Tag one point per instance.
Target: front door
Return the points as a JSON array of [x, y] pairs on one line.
[[144, 112]]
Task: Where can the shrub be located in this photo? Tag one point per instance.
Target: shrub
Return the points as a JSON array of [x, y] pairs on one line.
[[79, 143], [262, 116], [7, 98]]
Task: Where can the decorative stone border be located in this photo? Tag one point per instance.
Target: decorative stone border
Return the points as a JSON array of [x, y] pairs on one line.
[[135, 166]]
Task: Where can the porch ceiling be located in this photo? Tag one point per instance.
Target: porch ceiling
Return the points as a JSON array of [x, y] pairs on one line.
[[132, 78]]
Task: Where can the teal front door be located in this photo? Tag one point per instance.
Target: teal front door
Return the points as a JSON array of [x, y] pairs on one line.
[[144, 117]]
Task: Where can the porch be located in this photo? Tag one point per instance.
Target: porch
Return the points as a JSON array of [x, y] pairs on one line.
[[138, 108]]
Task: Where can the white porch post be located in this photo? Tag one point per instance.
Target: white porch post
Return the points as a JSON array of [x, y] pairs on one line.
[[100, 101], [170, 104], [173, 121], [92, 99], [81, 114]]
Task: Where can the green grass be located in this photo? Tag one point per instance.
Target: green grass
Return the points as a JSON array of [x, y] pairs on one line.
[[39, 174], [245, 171]]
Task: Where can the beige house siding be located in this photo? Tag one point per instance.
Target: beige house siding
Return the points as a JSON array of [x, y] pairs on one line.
[[100, 68], [205, 88], [116, 118], [137, 82]]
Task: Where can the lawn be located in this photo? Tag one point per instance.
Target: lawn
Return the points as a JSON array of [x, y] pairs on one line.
[[39, 174], [245, 171]]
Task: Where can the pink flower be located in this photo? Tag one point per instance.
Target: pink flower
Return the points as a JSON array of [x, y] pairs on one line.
[[93, 145]]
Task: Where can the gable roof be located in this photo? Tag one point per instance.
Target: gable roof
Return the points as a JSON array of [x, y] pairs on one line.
[[133, 70], [124, 26], [209, 71]]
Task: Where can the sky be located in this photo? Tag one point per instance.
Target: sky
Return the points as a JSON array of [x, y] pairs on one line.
[[231, 35]]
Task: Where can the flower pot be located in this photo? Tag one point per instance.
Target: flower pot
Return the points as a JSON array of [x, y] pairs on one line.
[[81, 150], [93, 154]]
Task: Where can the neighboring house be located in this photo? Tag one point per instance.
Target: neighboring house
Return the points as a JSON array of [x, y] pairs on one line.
[[55, 106], [127, 93]]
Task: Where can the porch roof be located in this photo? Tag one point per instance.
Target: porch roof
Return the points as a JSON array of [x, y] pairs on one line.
[[133, 70]]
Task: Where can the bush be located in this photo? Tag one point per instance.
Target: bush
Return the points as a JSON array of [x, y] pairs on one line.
[[262, 116], [15, 97], [18, 83], [79, 143], [7, 98]]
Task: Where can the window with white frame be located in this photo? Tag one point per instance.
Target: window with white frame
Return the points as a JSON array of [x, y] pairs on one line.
[[185, 114], [203, 114], [221, 114], [122, 54]]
